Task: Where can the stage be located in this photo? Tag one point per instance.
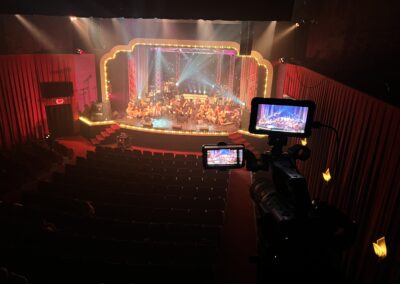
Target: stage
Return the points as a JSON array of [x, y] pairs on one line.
[[169, 123], [106, 133], [181, 86], [192, 92]]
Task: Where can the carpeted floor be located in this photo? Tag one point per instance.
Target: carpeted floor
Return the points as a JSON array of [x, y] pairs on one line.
[[239, 233]]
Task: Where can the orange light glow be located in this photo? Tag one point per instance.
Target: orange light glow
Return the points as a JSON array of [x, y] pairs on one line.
[[327, 175], [152, 130], [91, 123], [380, 248], [303, 141]]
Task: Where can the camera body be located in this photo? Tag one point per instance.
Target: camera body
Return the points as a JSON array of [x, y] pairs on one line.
[[288, 221], [282, 195]]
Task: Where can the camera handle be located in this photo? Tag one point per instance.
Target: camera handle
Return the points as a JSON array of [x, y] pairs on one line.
[[253, 164], [277, 142]]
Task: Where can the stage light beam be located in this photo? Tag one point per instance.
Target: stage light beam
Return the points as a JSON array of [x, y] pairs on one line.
[[36, 32], [284, 33], [265, 41], [82, 29]]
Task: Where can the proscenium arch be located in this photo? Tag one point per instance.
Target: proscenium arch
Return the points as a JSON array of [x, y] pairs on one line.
[[182, 44]]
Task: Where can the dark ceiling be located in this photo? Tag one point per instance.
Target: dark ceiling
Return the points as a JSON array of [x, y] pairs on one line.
[[353, 41], [267, 10]]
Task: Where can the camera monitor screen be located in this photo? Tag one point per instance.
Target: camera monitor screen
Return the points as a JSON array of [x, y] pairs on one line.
[[223, 157], [281, 116]]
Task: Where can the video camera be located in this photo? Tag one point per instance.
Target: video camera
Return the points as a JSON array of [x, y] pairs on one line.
[[280, 119], [280, 193]]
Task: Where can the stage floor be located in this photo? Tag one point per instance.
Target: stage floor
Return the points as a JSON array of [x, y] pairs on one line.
[[166, 123]]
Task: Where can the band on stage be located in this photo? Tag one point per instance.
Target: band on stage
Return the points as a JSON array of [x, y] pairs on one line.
[[197, 109]]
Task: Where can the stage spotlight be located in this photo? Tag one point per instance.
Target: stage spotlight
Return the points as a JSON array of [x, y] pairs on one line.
[[297, 25], [79, 51], [73, 18], [282, 60]]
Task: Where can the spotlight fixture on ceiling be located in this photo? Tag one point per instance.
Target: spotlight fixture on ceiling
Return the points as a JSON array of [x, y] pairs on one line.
[[79, 51]]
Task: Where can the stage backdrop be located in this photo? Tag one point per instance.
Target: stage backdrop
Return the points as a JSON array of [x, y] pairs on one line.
[[22, 107], [368, 179]]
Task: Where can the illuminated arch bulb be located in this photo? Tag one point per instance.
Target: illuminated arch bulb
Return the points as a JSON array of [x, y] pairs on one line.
[[327, 175], [380, 248]]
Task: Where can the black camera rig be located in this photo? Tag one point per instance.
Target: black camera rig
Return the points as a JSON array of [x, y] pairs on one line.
[[295, 234]]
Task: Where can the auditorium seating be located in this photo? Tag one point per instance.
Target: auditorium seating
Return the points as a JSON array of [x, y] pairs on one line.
[[159, 216], [24, 163]]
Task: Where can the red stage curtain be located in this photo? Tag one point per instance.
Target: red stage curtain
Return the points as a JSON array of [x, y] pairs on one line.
[[367, 187], [22, 109]]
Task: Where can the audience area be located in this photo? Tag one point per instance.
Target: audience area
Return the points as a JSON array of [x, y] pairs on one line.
[[119, 217]]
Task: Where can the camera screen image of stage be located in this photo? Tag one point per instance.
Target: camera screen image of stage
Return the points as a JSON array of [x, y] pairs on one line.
[[282, 118], [224, 157]]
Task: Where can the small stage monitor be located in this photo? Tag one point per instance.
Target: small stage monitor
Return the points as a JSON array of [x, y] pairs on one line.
[[284, 117], [223, 156]]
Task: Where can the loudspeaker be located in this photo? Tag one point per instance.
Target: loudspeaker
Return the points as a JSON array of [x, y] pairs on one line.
[[97, 113], [246, 38], [60, 120], [177, 127], [56, 89]]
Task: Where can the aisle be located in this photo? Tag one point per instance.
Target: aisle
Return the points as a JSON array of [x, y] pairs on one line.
[[239, 234]]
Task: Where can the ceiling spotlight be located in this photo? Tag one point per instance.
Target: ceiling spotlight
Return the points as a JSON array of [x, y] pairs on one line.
[[73, 18], [297, 25], [79, 51]]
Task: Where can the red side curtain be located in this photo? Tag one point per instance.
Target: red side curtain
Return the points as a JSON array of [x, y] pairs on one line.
[[367, 187], [22, 108]]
